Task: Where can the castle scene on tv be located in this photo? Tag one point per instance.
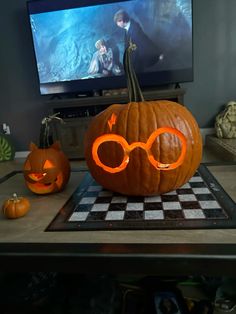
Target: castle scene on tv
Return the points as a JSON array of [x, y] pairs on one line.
[[89, 42]]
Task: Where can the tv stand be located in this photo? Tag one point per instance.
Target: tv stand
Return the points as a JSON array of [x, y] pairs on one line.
[[78, 112]]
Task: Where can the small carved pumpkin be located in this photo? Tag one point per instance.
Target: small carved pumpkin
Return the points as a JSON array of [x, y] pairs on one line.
[[15, 207], [46, 169], [143, 147]]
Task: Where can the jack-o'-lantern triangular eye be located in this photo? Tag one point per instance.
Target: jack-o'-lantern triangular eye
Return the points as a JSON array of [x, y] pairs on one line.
[[48, 164], [27, 165]]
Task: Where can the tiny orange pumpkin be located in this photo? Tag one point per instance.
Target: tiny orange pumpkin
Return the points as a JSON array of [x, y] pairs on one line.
[[15, 207]]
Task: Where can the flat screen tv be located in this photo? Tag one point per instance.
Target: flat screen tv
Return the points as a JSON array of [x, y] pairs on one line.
[[79, 44]]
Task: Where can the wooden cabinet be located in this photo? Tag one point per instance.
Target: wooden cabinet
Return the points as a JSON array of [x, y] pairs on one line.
[[78, 112]]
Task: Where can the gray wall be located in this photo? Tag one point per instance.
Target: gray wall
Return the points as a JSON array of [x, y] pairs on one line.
[[214, 59], [22, 107]]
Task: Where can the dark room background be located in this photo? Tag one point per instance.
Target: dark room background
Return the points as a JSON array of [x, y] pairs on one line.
[[22, 107]]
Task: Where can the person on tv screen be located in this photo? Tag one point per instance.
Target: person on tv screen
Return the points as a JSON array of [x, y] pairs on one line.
[[102, 63], [147, 53]]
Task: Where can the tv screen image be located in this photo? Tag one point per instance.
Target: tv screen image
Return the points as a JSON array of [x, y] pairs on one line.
[[79, 45]]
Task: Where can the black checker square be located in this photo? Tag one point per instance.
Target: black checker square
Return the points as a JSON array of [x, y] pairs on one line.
[[83, 207], [214, 213], [190, 205], [153, 206], [117, 207], [184, 191], [94, 216], [197, 184], [195, 205], [105, 199], [173, 214], [169, 198], [133, 215], [135, 199], [205, 197]]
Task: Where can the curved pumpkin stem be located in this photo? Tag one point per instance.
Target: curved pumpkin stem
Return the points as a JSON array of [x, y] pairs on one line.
[[44, 137], [135, 93]]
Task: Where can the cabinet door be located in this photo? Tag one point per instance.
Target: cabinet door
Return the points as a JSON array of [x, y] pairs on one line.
[[71, 136]]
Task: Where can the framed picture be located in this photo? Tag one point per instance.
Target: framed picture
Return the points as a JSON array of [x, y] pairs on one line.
[[169, 302]]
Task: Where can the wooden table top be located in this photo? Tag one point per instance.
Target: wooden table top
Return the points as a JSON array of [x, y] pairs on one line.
[[26, 236]]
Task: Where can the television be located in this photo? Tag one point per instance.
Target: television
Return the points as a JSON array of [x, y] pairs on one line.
[[68, 36]]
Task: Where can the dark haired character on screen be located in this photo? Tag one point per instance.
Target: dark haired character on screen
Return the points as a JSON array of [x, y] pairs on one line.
[[147, 53], [102, 62], [167, 306]]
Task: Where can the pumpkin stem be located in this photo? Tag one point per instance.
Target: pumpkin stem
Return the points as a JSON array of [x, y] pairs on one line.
[[44, 138], [15, 198], [134, 90]]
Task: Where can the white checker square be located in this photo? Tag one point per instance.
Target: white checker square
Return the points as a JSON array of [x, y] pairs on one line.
[[187, 197], [171, 205], [186, 186], [196, 179], [119, 199], [152, 199], [153, 214], [100, 207], [115, 215], [94, 188], [201, 191], [134, 206], [87, 200], [171, 193], [78, 216], [209, 204], [193, 213], [105, 193]]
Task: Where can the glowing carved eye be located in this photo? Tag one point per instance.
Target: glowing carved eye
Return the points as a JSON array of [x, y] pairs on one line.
[[48, 164], [27, 165]]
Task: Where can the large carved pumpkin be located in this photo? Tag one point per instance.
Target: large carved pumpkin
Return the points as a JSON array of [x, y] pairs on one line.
[[143, 147], [46, 169]]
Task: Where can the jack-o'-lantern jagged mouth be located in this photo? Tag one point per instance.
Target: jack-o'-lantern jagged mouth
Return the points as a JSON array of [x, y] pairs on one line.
[[37, 181], [128, 148]]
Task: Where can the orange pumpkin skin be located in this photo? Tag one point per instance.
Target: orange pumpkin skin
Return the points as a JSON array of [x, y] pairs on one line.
[[15, 207], [46, 170], [135, 122]]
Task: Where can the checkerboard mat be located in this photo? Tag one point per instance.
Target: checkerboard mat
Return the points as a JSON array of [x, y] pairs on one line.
[[194, 205]]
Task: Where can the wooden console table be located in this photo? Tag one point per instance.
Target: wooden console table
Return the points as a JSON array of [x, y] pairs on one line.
[[24, 242]]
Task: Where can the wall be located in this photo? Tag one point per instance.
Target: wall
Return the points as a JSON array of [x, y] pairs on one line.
[[214, 30], [22, 107]]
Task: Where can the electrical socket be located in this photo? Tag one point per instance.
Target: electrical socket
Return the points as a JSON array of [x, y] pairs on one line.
[[6, 128]]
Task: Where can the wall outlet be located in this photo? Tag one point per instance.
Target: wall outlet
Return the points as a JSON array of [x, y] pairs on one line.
[[6, 128]]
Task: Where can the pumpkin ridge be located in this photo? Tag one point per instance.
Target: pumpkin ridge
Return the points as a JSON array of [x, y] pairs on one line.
[[180, 175], [144, 133], [127, 112], [158, 173], [171, 117], [132, 136], [190, 152]]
